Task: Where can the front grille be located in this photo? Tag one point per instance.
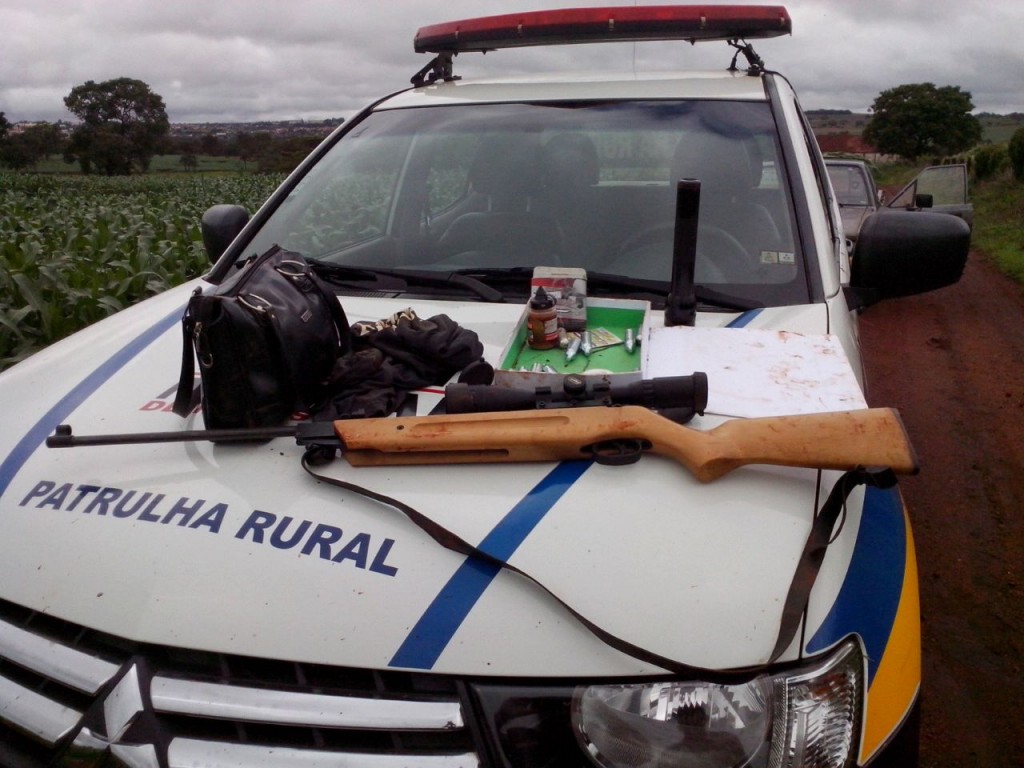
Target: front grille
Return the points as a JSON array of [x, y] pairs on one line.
[[72, 696]]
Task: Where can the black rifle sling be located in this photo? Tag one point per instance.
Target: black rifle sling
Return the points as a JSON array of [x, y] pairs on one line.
[[818, 539], [807, 569]]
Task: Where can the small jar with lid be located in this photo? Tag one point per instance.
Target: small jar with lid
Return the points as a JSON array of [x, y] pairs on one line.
[[542, 321]]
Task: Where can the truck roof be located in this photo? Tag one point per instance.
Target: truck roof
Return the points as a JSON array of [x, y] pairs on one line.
[[701, 84]]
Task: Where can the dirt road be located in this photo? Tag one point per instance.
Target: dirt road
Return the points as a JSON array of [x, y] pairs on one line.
[[953, 362]]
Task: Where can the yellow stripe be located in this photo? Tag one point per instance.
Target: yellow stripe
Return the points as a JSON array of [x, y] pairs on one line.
[[899, 673]]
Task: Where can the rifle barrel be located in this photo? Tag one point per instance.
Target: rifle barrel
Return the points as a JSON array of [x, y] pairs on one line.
[[63, 437]]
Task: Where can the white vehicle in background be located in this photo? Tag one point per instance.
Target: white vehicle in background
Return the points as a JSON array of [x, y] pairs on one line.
[[178, 604]]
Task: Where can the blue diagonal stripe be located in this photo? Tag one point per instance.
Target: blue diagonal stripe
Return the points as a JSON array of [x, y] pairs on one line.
[[745, 319], [870, 594], [445, 614], [59, 413]]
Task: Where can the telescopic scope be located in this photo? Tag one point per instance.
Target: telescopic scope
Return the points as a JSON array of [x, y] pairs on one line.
[[676, 397]]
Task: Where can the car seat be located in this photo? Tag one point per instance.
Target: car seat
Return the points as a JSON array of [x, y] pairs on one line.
[[509, 232], [729, 170], [571, 171]]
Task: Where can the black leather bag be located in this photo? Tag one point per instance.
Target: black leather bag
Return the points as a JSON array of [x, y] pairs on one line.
[[266, 340]]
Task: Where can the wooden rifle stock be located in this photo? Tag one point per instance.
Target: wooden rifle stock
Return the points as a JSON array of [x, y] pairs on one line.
[[873, 437]]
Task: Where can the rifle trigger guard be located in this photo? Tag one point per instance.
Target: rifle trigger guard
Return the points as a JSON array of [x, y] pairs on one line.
[[617, 453]]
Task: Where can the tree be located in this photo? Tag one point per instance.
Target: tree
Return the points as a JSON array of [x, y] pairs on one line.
[[919, 119], [988, 161], [283, 155], [210, 144], [30, 145], [1016, 151], [252, 145], [5, 126], [123, 123], [27, 145]]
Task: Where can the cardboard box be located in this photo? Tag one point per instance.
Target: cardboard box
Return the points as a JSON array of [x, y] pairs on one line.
[[568, 287]]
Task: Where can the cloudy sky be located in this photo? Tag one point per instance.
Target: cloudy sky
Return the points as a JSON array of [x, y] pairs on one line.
[[243, 60]]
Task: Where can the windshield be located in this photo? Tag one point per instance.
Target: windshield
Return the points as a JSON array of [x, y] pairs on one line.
[[850, 185], [495, 187]]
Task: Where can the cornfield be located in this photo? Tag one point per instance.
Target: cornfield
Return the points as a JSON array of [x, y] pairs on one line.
[[74, 249]]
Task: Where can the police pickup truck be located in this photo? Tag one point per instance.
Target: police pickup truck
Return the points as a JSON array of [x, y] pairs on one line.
[[196, 603]]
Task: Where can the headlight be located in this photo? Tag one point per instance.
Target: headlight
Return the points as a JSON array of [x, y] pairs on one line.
[[684, 724], [819, 711], [806, 717]]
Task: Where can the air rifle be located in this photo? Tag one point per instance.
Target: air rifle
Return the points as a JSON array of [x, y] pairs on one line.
[[872, 437]]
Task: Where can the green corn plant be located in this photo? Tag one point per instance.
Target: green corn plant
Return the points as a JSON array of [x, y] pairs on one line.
[[74, 249]]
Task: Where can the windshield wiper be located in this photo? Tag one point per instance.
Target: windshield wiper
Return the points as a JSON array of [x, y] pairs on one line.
[[408, 277], [339, 273]]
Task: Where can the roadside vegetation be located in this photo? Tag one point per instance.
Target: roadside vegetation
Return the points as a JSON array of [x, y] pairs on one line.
[[74, 248], [999, 223]]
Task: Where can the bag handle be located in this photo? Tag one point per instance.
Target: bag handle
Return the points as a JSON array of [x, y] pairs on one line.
[[337, 311], [187, 397]]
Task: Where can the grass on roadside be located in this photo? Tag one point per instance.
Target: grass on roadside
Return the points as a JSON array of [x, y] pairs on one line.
[[999, 224]]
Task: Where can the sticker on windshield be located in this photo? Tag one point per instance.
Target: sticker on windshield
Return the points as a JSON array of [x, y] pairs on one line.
[[778, 257]]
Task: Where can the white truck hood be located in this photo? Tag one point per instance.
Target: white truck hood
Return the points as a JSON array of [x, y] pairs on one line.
[[233, 548]]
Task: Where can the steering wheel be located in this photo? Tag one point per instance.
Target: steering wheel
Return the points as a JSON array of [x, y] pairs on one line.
[[721, 258]]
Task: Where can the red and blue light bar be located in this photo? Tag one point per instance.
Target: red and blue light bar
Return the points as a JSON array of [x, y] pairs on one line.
[[612, 24]]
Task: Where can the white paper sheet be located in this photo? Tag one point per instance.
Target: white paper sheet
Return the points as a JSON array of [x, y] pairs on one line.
[[756, 372]]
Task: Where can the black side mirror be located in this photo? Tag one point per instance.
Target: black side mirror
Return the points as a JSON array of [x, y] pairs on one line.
[[220, 225], [901, 253], [923, 200]]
